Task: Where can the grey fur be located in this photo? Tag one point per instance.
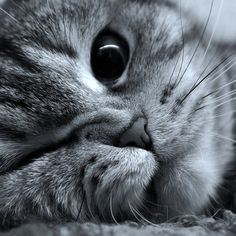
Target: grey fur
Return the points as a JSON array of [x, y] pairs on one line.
[[48, 94]]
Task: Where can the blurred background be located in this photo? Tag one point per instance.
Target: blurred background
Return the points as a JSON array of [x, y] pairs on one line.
[[222, 22]]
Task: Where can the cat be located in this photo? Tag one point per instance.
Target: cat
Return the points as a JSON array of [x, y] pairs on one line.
[[110, 111]]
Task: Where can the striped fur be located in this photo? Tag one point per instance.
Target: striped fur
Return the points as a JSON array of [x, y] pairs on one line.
[[57, 122]]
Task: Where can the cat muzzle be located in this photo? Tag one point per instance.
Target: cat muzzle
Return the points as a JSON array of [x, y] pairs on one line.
[[136, 135]]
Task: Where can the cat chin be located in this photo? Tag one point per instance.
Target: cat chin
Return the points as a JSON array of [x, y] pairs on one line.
[[122, 187]]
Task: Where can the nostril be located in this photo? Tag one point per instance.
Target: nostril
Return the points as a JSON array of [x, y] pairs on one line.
[[136, 135]]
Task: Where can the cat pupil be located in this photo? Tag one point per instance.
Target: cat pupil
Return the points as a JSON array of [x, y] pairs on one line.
[[109, 57]]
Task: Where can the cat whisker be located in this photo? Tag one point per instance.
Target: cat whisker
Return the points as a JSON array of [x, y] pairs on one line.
[[111, 210], [141, 202], [209, 94], [196, 85], [216, 212], [206, 67], [199, 149], [221, 115], [215, 69], [230, 58], [217, 199], [136, 212], [225, 138], [210, 75], [216, 135], [157, 205], [9, 15], [173, 71], [226, 68], [131, 209], [226, 95], [166, 207], [220, 98], [198, 44], [214, 29], [225, 102], [228, 65], [226, 85], [183, 42], [81, 207], [94, 219], [217, 99]]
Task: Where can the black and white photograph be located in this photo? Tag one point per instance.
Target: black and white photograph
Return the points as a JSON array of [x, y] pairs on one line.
[[117, 117]]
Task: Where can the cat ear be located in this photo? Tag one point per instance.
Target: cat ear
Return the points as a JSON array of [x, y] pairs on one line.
[[221, 26]]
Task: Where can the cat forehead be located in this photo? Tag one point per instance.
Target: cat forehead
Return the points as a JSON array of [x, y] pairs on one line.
[[84, 9], [89, 17]]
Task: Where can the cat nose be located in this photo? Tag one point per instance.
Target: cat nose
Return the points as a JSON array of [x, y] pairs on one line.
[[136, 135]]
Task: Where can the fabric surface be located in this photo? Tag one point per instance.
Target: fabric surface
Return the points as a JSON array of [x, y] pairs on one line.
[[185, 226]]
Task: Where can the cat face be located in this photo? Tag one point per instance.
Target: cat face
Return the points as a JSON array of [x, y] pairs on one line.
[[75, 76]]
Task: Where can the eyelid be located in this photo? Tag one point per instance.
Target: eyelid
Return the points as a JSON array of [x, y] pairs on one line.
[[122, 80]]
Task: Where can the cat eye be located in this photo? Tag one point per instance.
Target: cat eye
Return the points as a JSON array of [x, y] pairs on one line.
[[109, 57]]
